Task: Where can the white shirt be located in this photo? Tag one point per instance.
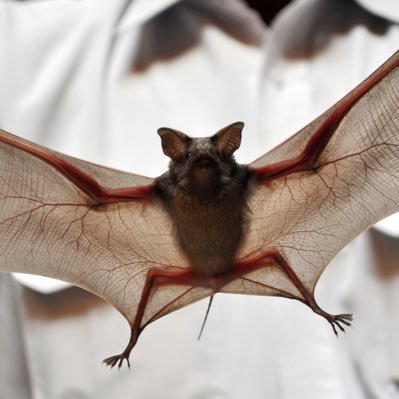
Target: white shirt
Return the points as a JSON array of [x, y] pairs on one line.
[[96, 79]]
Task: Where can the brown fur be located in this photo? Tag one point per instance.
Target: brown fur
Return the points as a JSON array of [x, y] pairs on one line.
[[209, 213]]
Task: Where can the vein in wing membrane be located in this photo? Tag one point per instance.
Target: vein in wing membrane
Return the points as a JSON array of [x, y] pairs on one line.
[[50, 227], [310, 216]]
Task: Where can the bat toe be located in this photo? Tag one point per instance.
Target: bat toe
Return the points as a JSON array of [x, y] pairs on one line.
[[117, 360], [340, 321]]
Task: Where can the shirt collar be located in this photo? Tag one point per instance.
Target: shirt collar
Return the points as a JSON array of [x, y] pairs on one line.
[[141, 11], [387, 9]]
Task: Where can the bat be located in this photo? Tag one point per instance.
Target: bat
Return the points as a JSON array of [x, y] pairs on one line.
[[207, 225]]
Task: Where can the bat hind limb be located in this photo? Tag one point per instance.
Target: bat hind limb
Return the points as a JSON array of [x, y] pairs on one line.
[[155, 278], [158, 277], [119, 359], [339, 320]]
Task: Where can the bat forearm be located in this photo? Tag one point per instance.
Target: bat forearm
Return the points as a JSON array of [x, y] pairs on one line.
[[61, 217], [308, 159], [100, 195]]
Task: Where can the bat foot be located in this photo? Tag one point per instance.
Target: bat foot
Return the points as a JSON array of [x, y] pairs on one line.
[[117, 360], [340, 321]]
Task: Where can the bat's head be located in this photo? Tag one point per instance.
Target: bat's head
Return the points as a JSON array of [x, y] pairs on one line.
[[202, 165]]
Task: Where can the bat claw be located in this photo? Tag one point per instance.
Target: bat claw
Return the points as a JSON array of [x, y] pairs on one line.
[[338, 320], [117, 360]]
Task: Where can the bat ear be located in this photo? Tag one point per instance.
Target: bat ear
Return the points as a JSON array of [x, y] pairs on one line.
[[228, 139], [174, 143]]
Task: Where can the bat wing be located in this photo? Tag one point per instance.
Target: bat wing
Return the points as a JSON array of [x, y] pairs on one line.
[[56, 221], [106, 231], [322, 187]]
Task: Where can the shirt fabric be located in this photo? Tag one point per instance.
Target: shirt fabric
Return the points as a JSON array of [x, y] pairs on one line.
[[95, 79]]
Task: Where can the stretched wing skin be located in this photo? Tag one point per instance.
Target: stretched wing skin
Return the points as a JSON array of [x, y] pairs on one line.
[[305, 206], [50, 227], [308, 216]]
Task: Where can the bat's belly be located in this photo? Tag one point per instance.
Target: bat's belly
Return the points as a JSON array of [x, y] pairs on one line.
[[210, 234]]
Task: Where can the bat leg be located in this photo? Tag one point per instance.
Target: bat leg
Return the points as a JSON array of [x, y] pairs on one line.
[[244, 267], [118, 359], [339, 320], [155, 278]]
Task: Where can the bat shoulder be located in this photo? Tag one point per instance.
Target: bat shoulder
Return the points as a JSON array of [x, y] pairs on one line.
[[161, 186], [242, 174]]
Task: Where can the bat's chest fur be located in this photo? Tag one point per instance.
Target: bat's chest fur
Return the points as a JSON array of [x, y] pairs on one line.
[[209, 231]]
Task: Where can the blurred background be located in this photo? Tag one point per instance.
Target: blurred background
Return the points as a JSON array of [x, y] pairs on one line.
[[95, 79]]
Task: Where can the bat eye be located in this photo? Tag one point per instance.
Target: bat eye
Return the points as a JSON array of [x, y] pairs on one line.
[[188, 154]]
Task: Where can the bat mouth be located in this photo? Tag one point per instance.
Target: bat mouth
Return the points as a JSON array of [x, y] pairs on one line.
[[204, 162], [204, 169]]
